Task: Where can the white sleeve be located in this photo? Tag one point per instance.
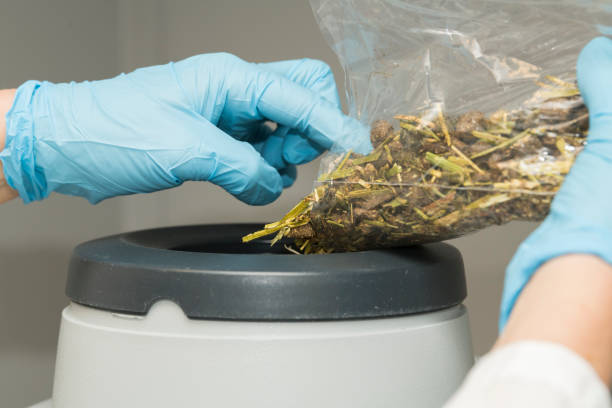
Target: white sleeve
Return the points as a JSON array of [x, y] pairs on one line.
[[532, 374]]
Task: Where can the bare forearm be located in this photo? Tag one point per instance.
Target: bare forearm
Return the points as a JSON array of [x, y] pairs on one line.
[[556, 349], [6, 100], [568, 302]]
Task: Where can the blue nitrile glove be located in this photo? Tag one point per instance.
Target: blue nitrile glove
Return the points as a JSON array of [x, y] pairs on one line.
[[203, 118], [580, 220]]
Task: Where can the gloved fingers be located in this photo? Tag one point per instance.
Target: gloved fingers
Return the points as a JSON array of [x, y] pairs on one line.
[[289, 174], [594, 71], [272, 152], [312, 74], [318, 77], [247, 129], [258, 146], [261, 130], [285, 146], [299, 150], [289, 104], [272, 149], [242, 172], [233, 165]]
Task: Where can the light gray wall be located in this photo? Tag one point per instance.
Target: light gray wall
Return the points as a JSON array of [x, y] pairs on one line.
[[58, 40], [88, 39]]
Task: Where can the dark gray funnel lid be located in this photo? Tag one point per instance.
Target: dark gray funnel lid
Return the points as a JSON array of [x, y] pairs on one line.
[[211, 274]]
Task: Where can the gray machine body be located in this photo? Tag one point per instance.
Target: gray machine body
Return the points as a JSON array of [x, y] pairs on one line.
[[189, 318]]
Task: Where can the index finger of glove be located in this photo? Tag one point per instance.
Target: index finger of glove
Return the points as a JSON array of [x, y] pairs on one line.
[[318, 77], [311, 74], [290, 104]]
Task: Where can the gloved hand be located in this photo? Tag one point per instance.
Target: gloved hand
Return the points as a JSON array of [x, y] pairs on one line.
[[580, 220], [203, 118]]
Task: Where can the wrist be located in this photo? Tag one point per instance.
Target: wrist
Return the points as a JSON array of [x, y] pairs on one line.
[[6, 100], [19, 155]]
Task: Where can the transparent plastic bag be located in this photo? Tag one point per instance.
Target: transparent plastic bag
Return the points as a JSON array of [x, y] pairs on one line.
[[474, 112]]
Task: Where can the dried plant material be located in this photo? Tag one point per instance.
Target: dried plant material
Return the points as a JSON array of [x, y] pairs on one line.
[[432, 180]]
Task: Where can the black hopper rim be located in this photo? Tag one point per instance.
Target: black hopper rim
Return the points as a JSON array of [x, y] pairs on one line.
[[210, 274]]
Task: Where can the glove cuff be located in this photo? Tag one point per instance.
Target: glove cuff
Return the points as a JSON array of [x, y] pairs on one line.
[[19, 155], [541, 248]]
